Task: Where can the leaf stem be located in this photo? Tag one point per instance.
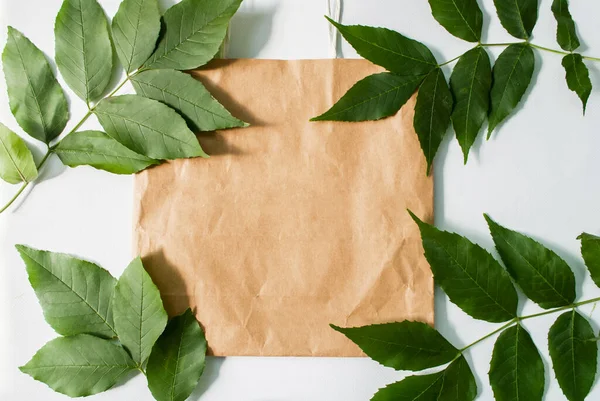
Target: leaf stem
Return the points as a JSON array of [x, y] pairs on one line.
[[75, 128], [26, 184], [449, 61], [520, 318]]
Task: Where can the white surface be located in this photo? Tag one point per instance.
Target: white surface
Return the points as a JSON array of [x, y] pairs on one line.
[[538, 174]]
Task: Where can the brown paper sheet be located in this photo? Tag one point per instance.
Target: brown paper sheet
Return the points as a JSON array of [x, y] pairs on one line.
[[290, 225]]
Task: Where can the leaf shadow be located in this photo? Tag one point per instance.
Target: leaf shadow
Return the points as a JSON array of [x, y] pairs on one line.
[[249, 31], [216, 144], [210, 375], [487, 19]]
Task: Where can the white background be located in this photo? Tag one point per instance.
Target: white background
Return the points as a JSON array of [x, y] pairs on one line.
[[539, 174]]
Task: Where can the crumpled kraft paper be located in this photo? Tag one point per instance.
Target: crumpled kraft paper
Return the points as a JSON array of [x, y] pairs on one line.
[[290, 225]]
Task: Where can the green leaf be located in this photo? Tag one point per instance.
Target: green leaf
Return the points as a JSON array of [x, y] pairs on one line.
[[147, 127], [574, 354], [194, 31], [372, 98], [412, 388], [578, 77], [16, 160], [177, 359], [470, 276], [80, 365], [135, 29], [96, 149], [456, 383], [36, 99], [83, 48], [518, 17], [459, 382], [590, 250], [542, 275], [566, 34], [187, 95], [516, 369], [512, 74], [462, 18], [140, 317], [402, 345], [389, 49], [75, 295], [432, 113], [470, 81]]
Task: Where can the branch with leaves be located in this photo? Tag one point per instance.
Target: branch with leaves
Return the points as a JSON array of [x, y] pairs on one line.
[[481, 287], [110, 328], [476, 91], [141, 130]]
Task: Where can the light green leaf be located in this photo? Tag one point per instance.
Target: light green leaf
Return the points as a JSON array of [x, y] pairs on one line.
[[470, 81], [542, 275], [516, 369], [574, 354], [578, 77], [412, 388], [462, 18], [96, 149], [194, 31], [36, 99], [566, 34], [470, 276], [402, 345], [590, 250], [147, 127], [16, 160], [80, 365], [140, 317], [372, 98], [432, 113], [459, 382], [187, 95], [83, 48], [456, 383], [177, 359], [512, 74], [389, 49], [518, 17], [135, 29], [75, 295]]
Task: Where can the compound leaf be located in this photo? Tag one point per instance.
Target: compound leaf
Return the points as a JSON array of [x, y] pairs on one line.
[[402, 345], [187, 95], [470, 276], [135, 28], [432, 114], [470, 82], [83, 48], [16, 160], [75, 295], [566, 34], [147, 127], [139, 315], [36, 99], [462, 18], [372, 98], [511, 77], [80, 365], [177, 359], [574, 352], [542, 275], [389, 49], [518, 17], [96, 149], [194, 31]]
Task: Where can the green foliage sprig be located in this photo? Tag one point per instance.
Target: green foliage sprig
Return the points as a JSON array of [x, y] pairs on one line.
[[110, 329], [477, 91], [140, 130], [481, 287]]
